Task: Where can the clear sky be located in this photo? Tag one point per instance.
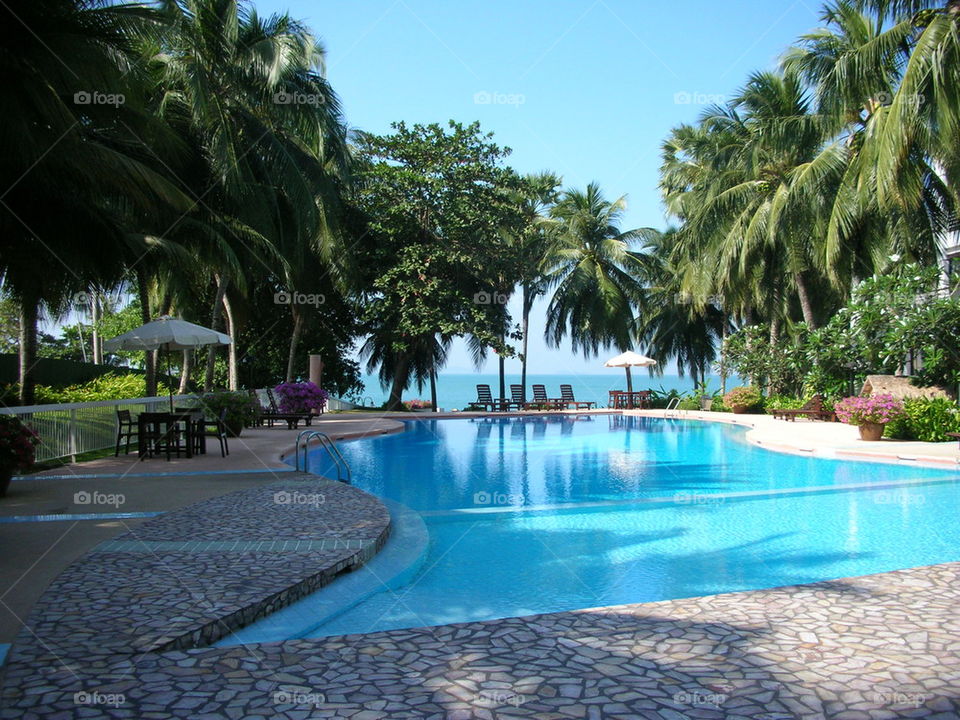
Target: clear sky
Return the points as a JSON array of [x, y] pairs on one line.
[[586, 89]]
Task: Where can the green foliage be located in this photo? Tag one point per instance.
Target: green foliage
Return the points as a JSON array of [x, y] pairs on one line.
[[925, 420], [689, 403], [745, 396], [111, 386], [782, 402], [242, 407]]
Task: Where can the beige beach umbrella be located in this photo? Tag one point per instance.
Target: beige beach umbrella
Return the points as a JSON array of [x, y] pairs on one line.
[[628, 360], [170, 334]]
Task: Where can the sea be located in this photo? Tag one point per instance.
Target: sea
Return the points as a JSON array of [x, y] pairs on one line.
[[456, 391]]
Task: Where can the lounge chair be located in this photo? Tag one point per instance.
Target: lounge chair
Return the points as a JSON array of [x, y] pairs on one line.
[[516, 399], [540, 399], [485, 399], [567, 399], [813, 409]]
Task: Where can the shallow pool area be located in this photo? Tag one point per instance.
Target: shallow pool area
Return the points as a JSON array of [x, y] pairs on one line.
[[550, 513]]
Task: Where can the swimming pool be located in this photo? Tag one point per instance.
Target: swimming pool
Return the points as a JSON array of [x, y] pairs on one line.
[[552, 513]]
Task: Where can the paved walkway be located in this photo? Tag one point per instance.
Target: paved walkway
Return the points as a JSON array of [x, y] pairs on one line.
[[880, 646]]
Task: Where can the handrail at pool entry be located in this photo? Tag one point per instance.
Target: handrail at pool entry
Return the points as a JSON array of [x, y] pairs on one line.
[[305, 436]]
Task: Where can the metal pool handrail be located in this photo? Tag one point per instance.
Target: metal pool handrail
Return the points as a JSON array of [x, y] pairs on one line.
[[304, 438]]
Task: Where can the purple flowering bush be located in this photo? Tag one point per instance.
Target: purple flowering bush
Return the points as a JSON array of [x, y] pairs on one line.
[[878, 409], [300, 397], [418, 404]]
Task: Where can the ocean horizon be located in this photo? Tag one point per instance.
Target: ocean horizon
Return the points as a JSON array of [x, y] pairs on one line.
[[457, 390]]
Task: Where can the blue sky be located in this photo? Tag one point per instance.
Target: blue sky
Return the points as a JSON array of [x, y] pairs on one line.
[[586, 89]]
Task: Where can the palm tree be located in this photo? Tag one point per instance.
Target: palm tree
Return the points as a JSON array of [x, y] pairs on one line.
[[594, 275], [73, 169]]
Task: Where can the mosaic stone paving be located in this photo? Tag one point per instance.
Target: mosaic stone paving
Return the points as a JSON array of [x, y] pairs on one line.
[[873, 647]]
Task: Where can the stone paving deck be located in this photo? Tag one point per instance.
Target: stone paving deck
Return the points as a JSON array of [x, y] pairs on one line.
[[867, 648]]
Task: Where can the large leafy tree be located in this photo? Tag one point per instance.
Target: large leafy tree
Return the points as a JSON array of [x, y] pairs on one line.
[[438, 203]]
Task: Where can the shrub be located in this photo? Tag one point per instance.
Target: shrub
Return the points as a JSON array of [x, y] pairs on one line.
[[874, 409], [301, 397], [242, 409], [743, 397], [689, 404], [718, 405], [926, 420], [783, 402], [18, 444], [417, 404]]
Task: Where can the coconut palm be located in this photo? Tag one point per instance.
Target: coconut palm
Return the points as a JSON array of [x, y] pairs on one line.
[[594, 275]]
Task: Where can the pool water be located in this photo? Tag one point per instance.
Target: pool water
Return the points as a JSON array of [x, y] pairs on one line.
[[551, 513]]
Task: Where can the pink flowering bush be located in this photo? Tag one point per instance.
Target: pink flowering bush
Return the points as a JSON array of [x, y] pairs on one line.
[[418, 404], [300, 397], [18, 444], [878, 409]]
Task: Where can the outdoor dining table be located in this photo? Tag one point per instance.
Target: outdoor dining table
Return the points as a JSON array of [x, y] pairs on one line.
[[623, 399], [169, 427]]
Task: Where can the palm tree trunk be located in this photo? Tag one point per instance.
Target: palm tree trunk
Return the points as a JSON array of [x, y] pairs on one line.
[[723, 366], [526, 331], [214, 319], [185, 371], [29, 313], [96, 340], [806, 305], [502, 364], [400, 379], [149, 357], [433, 390], [294, 341], [233, 381]]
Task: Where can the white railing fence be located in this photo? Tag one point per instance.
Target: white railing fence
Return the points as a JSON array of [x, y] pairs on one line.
[[70, 429]]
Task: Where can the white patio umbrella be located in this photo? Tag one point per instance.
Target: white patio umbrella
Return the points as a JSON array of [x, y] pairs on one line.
[[167, 333], [628, 360]]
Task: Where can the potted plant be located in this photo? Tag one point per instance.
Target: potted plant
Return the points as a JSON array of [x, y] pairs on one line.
[[742, 399], [418, 405], [703, 395], [18, 444], [242, 409], [301, 397], [869, 414]]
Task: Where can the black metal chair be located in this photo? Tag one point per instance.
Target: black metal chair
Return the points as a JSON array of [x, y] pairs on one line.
[[213, 428], [126, 428]]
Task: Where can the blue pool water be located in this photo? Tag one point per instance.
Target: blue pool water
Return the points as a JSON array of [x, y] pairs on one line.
[[544, 514]]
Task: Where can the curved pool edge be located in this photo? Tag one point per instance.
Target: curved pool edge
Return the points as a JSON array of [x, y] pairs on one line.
[[768, 433]]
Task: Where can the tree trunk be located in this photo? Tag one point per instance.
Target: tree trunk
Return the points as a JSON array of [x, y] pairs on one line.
[[96, 340], [502, 366], [433, 390], [214, 319], [401, 377], [525, 329], [294, 341], [806, 305], [149, 357], [723, 366], [233, 381], [28, 349], [185, 371]]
